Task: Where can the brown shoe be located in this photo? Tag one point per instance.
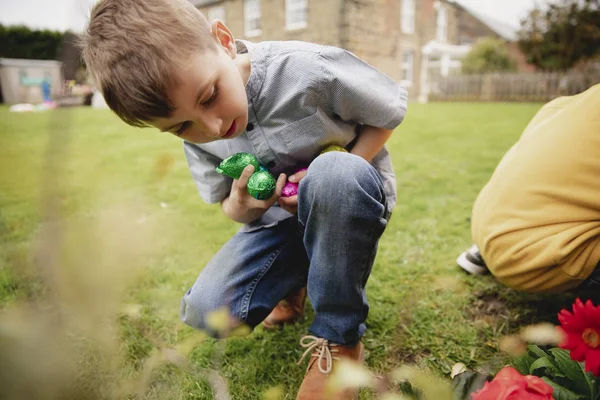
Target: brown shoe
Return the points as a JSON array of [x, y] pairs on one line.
[[287, 311], [322, 364]]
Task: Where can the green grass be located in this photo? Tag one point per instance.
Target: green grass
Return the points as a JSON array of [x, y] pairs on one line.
[[71, 164]]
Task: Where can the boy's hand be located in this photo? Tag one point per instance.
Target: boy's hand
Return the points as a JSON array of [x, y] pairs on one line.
[[243, 208], [290, 204]]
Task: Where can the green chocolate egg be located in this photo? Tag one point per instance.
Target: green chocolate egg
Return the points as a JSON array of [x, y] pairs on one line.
[[261, 185], [234, 165], [334, 147]]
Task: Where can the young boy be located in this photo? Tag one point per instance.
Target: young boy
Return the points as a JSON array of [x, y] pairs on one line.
[[537, 221], [159, 63]]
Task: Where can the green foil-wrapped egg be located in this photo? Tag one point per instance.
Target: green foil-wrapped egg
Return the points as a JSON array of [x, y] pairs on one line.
[[334, 147], [261, 185], [234, 165]]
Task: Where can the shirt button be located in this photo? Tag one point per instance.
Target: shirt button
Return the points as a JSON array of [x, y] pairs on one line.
[[250, 126]]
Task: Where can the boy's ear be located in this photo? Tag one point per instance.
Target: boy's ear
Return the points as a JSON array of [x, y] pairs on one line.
[[223, 37]]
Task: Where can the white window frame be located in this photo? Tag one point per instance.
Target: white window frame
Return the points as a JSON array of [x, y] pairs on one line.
[[296, 14], [217, 12], [407, 16], [407, 67], [252, 18], [441, 33]]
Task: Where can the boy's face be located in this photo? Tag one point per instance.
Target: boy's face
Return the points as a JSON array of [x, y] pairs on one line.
[[210, 97]]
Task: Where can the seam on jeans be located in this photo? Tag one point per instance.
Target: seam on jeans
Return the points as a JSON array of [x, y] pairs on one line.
[[250, 291], [383, 217], [373, 254]]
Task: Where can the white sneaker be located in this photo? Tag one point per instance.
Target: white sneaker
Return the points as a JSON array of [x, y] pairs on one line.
[[472, 262]]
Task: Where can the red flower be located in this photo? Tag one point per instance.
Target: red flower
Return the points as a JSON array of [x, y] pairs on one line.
[[582, 334], [509, 384]]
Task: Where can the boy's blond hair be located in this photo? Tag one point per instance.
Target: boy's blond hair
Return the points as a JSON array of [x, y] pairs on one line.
[[132, 47]]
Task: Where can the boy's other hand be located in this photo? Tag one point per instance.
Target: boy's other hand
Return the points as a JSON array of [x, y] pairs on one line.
[[290, 204], [297, 177]]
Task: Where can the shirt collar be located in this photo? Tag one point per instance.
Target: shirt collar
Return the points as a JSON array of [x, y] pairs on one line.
[[257, 66]]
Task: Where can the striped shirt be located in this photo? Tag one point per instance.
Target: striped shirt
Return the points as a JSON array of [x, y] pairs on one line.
[[302, 98]]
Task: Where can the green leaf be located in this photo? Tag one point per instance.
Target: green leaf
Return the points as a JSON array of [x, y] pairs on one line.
[[574, 371], [593, 382], [544, 362], [539, 353], [562, 393], [466, 383], [523, 363]]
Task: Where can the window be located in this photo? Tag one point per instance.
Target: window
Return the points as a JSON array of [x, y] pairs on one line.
[[216, 13], [442, 24], [408, 58], [296, 14], [407, 16], [252, 18]]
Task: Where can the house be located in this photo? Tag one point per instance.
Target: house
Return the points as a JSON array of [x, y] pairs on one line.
[[412, 41], [474, 25]]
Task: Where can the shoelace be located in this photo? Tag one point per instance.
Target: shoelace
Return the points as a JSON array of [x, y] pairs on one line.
[[319, 348]]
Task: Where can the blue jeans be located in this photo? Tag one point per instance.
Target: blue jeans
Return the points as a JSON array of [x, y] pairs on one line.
[[330, 247]]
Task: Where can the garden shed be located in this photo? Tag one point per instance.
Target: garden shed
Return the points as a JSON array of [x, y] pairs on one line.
[[29, 81]]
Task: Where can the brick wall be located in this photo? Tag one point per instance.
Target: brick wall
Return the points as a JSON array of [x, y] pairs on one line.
[[519, 58], [322, 28], [371, 30]]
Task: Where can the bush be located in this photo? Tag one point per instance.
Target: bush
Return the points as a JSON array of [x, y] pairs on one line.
[[488, 55]]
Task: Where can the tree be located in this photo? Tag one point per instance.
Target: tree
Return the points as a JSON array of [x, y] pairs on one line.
[[488, 55], [564, 34]]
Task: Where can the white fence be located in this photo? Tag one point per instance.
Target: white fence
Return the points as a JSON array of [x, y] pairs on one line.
[[511, 87]]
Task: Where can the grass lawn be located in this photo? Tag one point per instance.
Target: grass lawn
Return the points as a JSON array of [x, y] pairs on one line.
[[70, 166]]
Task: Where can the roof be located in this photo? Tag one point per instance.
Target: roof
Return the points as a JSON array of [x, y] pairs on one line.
[[502, 29]]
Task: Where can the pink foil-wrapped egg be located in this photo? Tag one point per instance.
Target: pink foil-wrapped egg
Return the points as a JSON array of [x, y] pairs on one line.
[[290, 189]]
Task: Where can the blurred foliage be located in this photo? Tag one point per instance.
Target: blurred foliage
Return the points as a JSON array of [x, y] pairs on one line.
[[488, 55], [564, 34], [568, 378], [22, 42]]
